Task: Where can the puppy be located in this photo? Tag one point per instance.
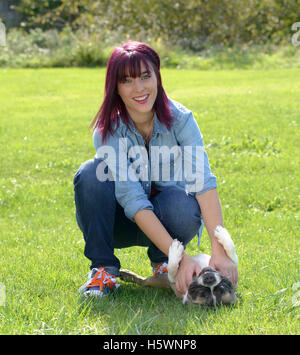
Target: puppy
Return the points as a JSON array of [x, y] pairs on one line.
[[209, 288]]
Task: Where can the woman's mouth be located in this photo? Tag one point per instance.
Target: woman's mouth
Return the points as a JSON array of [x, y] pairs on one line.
[[141, 99]]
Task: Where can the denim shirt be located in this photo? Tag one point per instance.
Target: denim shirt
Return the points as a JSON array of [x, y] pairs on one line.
[[133, 193]]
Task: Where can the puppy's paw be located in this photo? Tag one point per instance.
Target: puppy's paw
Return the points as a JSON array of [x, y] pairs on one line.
[[224, 238], [175, 255]]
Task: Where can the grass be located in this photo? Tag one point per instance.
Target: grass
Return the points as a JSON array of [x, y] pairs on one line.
[[250, 123]]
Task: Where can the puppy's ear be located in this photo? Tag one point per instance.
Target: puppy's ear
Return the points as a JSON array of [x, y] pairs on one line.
[[228, 297], [226, 282], [224, 292]]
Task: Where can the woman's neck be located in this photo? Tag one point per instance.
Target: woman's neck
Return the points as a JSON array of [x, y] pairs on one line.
[[146, 126]]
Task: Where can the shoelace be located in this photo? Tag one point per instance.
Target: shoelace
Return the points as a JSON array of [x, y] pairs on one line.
[[102, 279], [161, 268]]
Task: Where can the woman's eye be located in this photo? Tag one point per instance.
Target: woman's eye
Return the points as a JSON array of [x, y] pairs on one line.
[[129, 80], [125, 81]]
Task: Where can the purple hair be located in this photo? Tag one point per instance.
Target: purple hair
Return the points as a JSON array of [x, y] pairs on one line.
[[128, 57]]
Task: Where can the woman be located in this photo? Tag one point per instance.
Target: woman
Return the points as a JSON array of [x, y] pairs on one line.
[[139, 190]]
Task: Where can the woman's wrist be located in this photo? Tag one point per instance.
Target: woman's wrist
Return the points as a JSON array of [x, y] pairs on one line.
[[217, 249], [185, 257]]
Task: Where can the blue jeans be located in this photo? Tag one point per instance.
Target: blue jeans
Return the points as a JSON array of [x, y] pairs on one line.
[[105, 226]]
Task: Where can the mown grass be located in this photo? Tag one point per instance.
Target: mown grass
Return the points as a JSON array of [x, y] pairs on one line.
[[250, 123]]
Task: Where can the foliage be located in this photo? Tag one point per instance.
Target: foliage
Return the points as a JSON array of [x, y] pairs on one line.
[[65, 48], [193, 24]]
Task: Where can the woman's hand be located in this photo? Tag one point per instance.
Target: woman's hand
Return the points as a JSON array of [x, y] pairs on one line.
[[187, 269], [222, 263]]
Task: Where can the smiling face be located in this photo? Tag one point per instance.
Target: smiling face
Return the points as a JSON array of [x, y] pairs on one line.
[[139, 94]]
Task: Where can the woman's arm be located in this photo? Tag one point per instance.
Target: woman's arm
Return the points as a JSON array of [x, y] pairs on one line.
[[156, 232], [211, 211]]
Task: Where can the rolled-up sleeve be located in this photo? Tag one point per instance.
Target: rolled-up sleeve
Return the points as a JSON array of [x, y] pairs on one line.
[[129, 194], [190, 139]]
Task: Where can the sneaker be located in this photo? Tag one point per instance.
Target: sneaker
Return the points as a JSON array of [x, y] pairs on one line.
[[99, 284], [161, 269]]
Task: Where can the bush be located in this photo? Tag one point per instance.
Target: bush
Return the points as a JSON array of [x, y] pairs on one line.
[[69, 48], [193, 24], [52, 48]]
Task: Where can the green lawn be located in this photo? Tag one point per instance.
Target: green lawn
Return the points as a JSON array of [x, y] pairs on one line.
[[250, 123]]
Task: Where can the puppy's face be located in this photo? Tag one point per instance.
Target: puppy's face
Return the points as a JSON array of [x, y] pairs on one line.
[[210, 288]]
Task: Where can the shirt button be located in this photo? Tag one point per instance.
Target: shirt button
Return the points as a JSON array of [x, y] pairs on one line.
[[146, 166], [147, 185]]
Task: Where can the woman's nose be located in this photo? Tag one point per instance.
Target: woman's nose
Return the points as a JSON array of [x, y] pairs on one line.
[[138, 85]]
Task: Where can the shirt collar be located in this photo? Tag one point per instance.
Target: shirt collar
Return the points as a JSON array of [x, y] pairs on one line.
[[159, 127]]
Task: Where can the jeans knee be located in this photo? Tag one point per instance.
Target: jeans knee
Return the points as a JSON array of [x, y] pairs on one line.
[[180, 214], [85, 171], [85, 179], [188, 224]]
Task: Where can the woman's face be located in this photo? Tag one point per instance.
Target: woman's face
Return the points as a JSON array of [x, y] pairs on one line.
[[139, 94]]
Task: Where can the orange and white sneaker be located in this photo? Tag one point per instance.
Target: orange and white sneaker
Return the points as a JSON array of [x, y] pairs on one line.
[[161, 268], [99, 283]]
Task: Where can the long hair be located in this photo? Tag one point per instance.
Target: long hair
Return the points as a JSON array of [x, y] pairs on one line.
[[124, 59]]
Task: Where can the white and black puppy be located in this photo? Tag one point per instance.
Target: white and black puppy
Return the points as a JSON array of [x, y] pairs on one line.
[[209, 288]]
